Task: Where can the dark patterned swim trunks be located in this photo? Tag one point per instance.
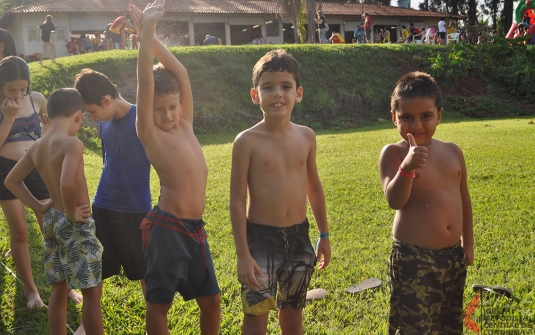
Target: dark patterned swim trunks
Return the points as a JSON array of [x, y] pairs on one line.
[[426, 290], [71, 251], [286, 257]]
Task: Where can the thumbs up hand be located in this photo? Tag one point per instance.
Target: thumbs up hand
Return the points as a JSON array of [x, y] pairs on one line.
[[416, 157]]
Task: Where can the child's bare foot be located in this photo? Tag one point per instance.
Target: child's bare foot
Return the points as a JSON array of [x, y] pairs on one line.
[[8, 254], [76, 297], [80, 330], [34, 300]]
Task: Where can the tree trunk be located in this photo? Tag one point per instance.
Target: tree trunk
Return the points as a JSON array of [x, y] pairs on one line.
[[296, 32], [472, 12], [507, 15], [311, 13], [455, 7]]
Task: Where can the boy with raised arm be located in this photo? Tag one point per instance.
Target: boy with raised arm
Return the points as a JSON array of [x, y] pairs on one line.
[[274, 165], [177, 252], [72, 253], [424, 180]]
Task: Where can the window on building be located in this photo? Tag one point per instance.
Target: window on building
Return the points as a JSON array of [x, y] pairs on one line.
[[272, 28], [32, 35], [61, 34]]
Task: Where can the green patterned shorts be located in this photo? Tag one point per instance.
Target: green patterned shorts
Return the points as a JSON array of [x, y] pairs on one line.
[[426, 290], [71, 251]]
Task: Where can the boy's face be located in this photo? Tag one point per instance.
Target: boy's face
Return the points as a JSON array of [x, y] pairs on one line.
[[166, 110], [104, 112], [276, 93], [419, 117]]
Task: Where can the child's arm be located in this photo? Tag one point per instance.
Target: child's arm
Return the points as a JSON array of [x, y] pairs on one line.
[[397, 188], [467, 238], [171, 63], [145, 81], [247, 266], [316, 197], [15, 183], [68, 182], [10, 109]]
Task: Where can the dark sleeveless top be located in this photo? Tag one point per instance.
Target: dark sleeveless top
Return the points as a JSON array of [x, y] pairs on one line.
[[26, 128]]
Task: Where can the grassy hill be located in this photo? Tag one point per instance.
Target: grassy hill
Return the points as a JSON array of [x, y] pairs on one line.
[[344, 85]]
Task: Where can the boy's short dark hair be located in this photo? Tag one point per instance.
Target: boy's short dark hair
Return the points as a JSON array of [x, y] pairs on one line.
[[276, 61], [416, 85], [64, 102], [165, 81], [93, 86]]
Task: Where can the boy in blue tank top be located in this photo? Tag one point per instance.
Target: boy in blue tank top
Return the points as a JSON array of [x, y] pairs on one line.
[[123, 197]]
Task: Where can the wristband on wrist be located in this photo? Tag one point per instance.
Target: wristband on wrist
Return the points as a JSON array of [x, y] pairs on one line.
[[406, 174], [324, 234]]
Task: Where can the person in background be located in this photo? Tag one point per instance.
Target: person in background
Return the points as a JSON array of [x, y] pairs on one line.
[[367, 25], [378, 36], [358, 36], [46, 29], [258, 40], [336, 38], [211, 40], [442, 30], [386, 35], [322, 27], [405, 35]]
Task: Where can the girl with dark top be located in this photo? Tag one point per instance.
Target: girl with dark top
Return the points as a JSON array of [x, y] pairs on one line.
[[46, 29], [322, 26], [19, 128]]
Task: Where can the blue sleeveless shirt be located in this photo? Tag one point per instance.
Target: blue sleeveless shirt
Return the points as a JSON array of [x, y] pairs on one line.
[[124, 184]]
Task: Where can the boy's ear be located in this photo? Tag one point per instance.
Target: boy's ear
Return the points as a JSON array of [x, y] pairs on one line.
[[439, 116], [78, 117], [299, 95], [254, 96], [105, 101], [394, 118]]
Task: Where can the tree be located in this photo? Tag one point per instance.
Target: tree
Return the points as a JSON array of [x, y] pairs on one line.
[[290, 9], [311, 13]]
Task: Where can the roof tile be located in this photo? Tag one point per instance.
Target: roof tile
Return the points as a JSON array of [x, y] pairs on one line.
[[213, 7]]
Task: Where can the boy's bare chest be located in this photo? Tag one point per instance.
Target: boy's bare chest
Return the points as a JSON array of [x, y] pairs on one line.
[[440, 172], [176, 147], [280, 156]]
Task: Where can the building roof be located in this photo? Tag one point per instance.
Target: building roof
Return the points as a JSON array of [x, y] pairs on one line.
[[238, 7]]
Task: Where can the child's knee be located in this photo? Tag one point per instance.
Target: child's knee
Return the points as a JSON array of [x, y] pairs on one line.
[[92, 293], [210, 304]]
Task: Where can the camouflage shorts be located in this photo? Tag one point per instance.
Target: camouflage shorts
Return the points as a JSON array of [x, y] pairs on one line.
[[71, 251], [426, 290]]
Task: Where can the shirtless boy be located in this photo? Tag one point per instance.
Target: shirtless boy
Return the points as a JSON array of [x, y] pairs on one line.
[[72, 253], [274, 166], [177, 252], [424, 180], [123, 197]]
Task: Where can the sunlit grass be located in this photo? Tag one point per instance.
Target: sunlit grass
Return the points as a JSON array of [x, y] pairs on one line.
[[500, 160]]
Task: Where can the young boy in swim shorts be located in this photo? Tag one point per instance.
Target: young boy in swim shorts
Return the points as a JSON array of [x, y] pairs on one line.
[[123, 197], [424, 180], [274, 166], [72, 253], [177, 252]]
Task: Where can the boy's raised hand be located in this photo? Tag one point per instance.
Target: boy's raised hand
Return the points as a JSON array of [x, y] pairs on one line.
[[136, 14], [416, 157], [153, 12]]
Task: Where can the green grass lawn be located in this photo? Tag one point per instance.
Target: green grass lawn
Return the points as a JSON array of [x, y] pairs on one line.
[[500, 161]]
